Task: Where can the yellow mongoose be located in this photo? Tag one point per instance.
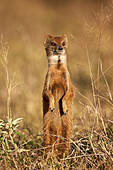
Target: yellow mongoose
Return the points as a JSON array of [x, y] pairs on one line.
[[57, 96]]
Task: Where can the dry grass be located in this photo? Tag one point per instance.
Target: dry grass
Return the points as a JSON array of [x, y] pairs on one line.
[[89, 28]]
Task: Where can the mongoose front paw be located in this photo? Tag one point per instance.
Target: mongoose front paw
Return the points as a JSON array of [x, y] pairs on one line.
[[52, 105], [51, 109], [65, 113], [65, 109]]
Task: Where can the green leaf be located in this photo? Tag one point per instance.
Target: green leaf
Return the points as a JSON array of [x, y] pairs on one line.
[[21, 137]]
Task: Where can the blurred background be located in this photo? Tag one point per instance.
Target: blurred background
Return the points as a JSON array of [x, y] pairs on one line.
[[25, 23]]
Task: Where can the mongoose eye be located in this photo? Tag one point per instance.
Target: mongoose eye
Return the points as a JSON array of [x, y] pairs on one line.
[[63, 43], [53, 43]]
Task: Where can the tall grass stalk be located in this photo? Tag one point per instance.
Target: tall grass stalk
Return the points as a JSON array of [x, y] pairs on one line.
[[4, 49], [9, 126], [91, 76], [10, 82]]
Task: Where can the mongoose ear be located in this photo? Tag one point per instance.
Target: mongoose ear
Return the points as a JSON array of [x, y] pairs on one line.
[[47, 40], [65, 37]]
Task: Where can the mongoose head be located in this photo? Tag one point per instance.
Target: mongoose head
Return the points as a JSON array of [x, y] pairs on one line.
[[56, 45]]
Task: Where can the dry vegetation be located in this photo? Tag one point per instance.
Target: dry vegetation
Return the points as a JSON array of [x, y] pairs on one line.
[[89, 27]]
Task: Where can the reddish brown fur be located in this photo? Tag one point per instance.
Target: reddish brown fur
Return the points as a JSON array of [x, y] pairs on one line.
[[57, 97]]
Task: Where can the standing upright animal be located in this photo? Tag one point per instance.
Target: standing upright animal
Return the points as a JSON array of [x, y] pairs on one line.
[[57, 96]]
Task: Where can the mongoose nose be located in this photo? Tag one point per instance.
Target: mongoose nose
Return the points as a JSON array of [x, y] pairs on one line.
[[60, 48]]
